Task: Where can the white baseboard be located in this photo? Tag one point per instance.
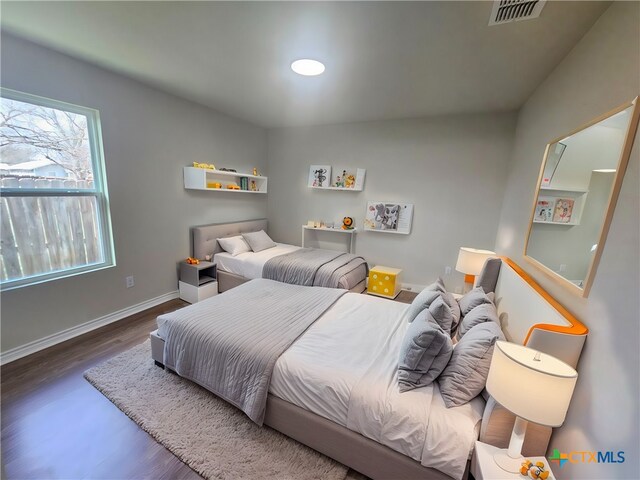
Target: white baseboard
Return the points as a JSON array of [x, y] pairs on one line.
[[51, 340]]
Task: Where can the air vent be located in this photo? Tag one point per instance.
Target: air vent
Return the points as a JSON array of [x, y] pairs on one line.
[[505, 11]]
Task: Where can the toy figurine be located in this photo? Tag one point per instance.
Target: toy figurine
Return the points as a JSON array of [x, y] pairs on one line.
[[349, 181], [255, 172], [347, 223], [192, 261], [338, 181], [536, 471], [254, 188]]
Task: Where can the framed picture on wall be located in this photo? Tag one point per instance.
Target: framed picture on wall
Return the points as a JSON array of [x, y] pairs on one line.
[[320, 176], [389, 217]]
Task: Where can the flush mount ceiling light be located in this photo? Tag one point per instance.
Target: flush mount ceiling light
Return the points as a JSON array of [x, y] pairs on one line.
[[307, 67]]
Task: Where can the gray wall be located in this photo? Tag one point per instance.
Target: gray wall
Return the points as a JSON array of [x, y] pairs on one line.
[[602, 72], [148, 136], [452, 169]]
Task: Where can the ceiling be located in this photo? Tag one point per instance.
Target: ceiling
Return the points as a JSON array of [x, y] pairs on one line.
[[384, 60]]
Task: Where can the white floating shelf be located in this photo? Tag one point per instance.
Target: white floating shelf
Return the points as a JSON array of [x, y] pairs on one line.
[[556, 223], [200, 178], [357, 187]]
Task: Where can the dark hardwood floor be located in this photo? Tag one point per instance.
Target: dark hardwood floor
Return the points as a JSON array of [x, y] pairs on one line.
[[55, 425]]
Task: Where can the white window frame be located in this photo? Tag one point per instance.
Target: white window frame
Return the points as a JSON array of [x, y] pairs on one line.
[[99, 191]]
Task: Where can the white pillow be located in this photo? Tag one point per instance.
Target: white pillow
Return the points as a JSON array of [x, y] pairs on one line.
[[234, 245], [258, 241]]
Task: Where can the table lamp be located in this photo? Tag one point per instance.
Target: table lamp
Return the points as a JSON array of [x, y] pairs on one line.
[[534, 386], [470, 262]]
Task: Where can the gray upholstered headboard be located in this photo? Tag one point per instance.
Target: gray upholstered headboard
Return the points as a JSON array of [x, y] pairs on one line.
[[204, 237]]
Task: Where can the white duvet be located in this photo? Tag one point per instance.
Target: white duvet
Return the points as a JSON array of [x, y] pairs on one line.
[[344, 369], [249, 264]]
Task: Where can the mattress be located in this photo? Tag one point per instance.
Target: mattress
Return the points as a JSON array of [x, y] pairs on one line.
[[344, 368], [249, 265]]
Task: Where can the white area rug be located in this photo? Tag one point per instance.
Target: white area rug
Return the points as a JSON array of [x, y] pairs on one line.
[[212, 437]]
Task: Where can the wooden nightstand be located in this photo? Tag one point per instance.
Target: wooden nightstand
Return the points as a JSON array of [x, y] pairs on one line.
[[384, 281], [197, 282], [483, 467]]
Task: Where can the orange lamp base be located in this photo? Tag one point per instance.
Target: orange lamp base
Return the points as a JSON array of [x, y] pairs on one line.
[[469, 279]]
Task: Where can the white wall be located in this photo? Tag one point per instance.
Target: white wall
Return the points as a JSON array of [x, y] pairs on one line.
[[453, 169], [602, 72], [148, 136]]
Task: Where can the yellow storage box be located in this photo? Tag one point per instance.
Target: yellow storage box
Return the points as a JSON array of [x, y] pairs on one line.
[[384, 281]]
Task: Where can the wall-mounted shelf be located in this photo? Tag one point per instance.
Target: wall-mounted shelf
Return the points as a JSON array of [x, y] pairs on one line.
[[552, 195], [357, 187], [202, 179]]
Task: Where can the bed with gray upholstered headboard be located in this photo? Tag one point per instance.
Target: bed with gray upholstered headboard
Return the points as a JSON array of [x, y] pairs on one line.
[[528, 315], [234, 271]]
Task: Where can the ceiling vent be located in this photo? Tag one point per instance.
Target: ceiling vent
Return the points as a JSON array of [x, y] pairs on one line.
[[506, 11]]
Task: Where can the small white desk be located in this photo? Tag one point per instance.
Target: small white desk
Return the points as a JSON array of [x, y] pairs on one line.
[[483, 467], [351, 232]]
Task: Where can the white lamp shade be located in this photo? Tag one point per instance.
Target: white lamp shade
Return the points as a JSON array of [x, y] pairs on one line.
[[536, 390], [471, 260]]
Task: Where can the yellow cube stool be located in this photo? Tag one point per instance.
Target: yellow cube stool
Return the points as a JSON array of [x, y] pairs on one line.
[[384, 281]]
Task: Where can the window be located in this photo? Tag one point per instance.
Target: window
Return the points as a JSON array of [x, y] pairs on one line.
[[54, 206]]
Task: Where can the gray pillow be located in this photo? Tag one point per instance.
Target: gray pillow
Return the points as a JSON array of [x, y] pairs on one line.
[[482, 313], [455, 310], [258, 241], [441, 313], [466, 374], [424, 354], [422, 301], [472, 299]]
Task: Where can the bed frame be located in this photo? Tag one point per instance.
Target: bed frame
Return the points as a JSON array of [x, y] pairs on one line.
[[204, 242], [521, 304]]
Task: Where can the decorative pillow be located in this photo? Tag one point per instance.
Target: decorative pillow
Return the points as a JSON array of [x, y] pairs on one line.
[[258, 241], [472, 299], [482, 313], [466, 374], [234, 245], [441, 313], [422, 301], [425, 352], [455, 309]]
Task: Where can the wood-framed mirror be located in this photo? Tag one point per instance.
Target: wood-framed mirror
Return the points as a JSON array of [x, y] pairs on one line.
[[576, 195]]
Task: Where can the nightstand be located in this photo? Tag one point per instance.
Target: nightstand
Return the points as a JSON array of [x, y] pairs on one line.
[[197, 282], [483, 467], [384, 281]]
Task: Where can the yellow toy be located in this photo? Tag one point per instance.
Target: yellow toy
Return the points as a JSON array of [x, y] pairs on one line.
[[347, 223], [192, 261], [350, 181], [208, 166], [233, 186], [537, 471]]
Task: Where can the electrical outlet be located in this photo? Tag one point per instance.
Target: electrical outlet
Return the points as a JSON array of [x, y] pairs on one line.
[[130, 281], [563, 267], [447, 270]]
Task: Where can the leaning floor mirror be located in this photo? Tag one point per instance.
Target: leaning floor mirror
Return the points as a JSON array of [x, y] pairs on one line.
[[576, 195]]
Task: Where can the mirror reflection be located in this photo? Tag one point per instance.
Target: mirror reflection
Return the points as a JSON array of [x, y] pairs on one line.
[[573, 197]]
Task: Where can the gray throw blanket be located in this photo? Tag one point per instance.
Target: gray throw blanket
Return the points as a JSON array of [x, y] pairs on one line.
[[230, 343], [311, 267]]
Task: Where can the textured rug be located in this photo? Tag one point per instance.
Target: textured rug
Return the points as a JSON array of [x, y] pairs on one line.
[[212, 437]]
